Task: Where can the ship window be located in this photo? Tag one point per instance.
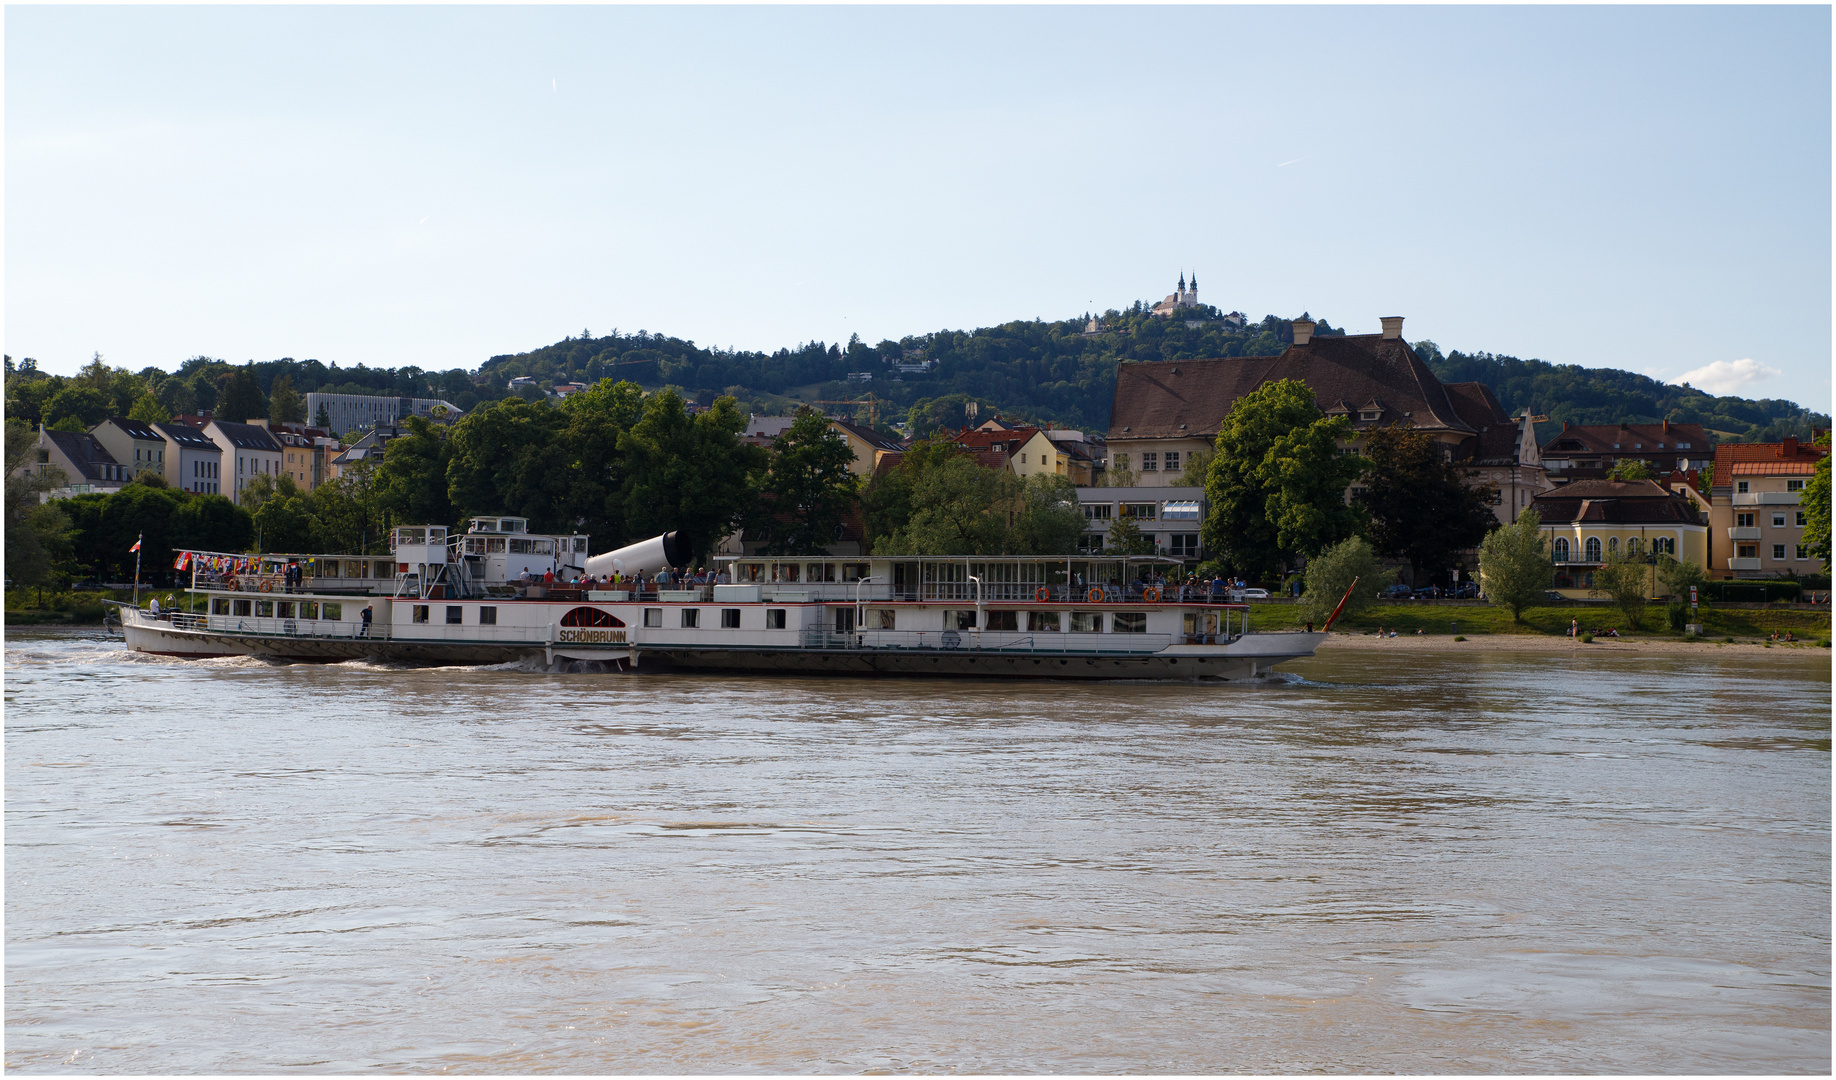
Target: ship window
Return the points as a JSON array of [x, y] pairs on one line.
[[1131, 622], [264, 609], [454, 614], [420, 613], [691, 618], [586, 616], [494, 546], [309, 609], [1044, 621], [487, 616], [959, 620], [1003, 620], [284, 609], [882, 619], [580, 543], [1086, 622], [729, 618], [219, 605], [242, 607], [653, 616], [332, 611], [774, 618]]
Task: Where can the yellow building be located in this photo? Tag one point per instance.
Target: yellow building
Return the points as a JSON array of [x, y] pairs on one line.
[[1587, 521], [867, 445]]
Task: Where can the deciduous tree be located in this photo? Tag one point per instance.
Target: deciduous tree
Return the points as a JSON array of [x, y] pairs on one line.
[[1514, 564], [1333, 571], [1421, 508], [1816, 503], [808, 487]]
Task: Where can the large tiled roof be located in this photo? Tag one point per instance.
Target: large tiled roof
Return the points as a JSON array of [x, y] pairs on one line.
[[1496, 441], [1615, 502], [84, 450], [870, 437], [1600, 438], [1170, 399], [248, 436], [136, 429], [994, 441], [186, 435], [1788, 458]]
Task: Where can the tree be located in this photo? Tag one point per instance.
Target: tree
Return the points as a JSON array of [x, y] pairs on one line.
[[1050, 520], [1277, 482], [241, 397], [1816, 503], [1332, 571], [809, 487], [148, 410], [690, 473], [886, 502], [958, 508], [177, 396], [411, 483], [212, 523], [1126, 538], [38, 541], [124, 389], [85, 405], [350, 519], [1198, 465], [1514, 564], [1421, 508], [509, 458], [285, 522], [285, 405], [1627, 580], [1627, 469], [322, 419], [1678, 575], [594, 420]]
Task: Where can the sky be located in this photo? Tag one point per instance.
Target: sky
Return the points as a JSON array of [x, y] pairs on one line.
[[1645, 188]]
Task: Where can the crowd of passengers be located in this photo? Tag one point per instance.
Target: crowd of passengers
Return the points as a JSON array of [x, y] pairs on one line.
[[1191, 590]]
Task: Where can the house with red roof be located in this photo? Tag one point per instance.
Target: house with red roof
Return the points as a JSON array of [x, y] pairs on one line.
[[1756, 511]]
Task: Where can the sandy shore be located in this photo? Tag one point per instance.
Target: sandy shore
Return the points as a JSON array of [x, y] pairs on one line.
[[1537, 643]]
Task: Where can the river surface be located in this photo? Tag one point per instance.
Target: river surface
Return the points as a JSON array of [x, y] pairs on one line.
[[1379, 862]]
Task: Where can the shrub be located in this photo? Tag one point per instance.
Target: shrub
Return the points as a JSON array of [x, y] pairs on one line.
[[1676, 613], [1459, 637], [1331, 572], [1587, 637]]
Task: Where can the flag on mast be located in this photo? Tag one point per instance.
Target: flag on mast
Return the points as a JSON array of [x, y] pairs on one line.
[[136, 546]]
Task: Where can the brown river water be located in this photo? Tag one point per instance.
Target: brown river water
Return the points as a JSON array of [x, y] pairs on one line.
[[1373, 863]]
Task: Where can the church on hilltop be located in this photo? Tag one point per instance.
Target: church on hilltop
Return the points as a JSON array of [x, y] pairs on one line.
[[1183, 297]]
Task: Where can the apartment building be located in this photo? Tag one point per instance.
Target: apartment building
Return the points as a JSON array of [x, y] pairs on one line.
[[248, 451], [1170, 516], [134, 444], [1589, 451], [194, 463], [1756, 511]]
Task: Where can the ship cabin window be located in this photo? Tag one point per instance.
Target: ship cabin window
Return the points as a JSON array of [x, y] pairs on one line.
[[1131, 622], [420, 613], [587, 616], [331, 611], [580, 544], [382, 568], [691, 618], [1042, 621], [487, 616], [821, 572], [787, 572], [264, 609], [1086, 622], [729, 618], [1003, 620], [653, 616], [283, 609], [959, 620], [455, 614], [494, 546], [309, 609], [856, 571], [774, 618], [882, 619], [219, 605], [242, 607]]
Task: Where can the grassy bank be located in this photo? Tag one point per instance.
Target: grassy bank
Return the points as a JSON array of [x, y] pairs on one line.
[[1742, 623], [30, 607]]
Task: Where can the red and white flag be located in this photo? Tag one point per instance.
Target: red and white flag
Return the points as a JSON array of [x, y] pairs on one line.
[[183, 558], [136, 546]]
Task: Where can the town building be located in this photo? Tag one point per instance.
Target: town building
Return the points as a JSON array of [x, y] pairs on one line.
[[1587, 521], [867, 445], [1170, 516], [1182, 298], [248, 451], [76, 461], [368, 449], [360, 412], [1756, 511], [305, 452], [193, 462], [1589, 451], [1165, 411], [1029, 450], [133, 443]]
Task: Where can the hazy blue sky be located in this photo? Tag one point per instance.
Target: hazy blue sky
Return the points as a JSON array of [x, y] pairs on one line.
[[1646, 188]]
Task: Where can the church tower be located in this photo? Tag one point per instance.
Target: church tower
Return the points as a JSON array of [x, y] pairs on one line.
[[1192, 295]]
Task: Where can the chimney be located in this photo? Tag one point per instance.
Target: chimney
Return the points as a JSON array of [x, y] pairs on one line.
[[1303, 331], [1564, 425], [1392, 326], [1789, 448], [1667, 427]]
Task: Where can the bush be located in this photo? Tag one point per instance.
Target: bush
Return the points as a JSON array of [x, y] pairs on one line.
[[1587, 637], [1751, 592], [1459, 637], [1676, 613], [1332, 572]]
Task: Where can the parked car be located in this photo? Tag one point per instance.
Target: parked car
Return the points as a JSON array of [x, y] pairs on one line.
[[1430, 592], [1398, 591], [1468, 591], [1252, 594], [1551, 594]]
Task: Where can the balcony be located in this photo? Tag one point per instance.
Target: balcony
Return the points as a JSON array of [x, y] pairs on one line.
[[1743, 564], [1749, 532], [1767, 498]]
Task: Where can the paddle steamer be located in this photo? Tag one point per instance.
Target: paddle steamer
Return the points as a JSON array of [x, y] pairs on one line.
[[469, 599]]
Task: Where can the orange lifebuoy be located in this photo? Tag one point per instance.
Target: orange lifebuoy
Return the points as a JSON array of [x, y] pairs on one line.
[[1043, 594], [231, 583], [1151, 595], [267, 585], [1095, 596]]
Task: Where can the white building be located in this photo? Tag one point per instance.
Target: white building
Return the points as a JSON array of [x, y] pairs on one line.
[[133, 443], [193, 462], [248, 452], [354, 412]]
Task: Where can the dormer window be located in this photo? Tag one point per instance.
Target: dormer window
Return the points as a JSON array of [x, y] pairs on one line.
[[1369, 414], [1615, 446]]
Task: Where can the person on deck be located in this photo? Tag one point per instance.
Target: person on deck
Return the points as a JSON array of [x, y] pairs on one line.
[[367, 615]]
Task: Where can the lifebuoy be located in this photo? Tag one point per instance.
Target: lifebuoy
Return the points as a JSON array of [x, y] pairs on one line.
[[1151, 595], [1042, 594], [267, 585], [231, 583], [1095, 596]]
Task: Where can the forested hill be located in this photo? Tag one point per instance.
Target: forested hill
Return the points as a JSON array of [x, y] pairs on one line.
[[1609, 396]]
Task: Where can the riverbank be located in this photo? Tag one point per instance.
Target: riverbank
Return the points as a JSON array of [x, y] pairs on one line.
[[1539, 643]]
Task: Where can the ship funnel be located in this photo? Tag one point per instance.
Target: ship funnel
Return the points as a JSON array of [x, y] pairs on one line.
[[645, 556]]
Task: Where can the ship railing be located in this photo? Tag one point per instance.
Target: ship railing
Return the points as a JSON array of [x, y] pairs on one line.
[[1025, 592], [305, 628], [1002, 641]]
